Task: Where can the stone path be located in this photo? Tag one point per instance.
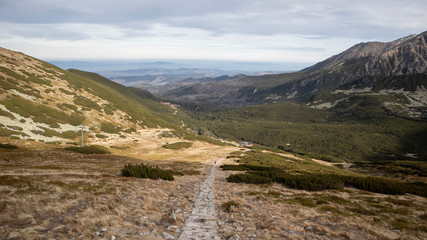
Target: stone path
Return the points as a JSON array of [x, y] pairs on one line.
[[202, 222]]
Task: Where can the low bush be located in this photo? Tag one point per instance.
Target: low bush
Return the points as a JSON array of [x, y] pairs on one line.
[[109, 128], [85, 102], [7, 145], [232, 167], [144, 171], [376, 184], [249, 178], [318, 182], [246, 167], [93, 149], [100, 135], [178, 145]]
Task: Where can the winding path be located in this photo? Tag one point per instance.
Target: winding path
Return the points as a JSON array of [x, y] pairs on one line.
[[202, 222]]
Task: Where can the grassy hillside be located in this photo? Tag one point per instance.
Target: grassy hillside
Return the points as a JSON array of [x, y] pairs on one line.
[[40, 101]]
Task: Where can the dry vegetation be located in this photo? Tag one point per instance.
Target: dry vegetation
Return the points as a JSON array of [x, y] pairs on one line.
[[49, 192], [276, 212]]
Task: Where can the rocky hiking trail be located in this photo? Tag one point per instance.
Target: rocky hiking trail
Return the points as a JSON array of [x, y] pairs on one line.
[[202, 222]]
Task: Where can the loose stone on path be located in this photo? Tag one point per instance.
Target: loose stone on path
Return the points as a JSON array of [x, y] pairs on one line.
[[202, 222]]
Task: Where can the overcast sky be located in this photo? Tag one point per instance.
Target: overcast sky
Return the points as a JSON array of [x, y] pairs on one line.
[[299, 31]]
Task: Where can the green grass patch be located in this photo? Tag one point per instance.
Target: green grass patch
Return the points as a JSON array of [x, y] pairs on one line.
[[192, 137], [66, 91], [93, 149], [70, 134], [101, 136], [69, 106], [35, 79], [178, 145], [82, 101], [109, 128], [145, 171], [6, 114]]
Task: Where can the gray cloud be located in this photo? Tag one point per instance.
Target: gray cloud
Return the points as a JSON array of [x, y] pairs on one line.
[[383, 18], [307, 29]]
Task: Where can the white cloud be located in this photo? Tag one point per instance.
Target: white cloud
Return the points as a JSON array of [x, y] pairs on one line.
[[277, 30]]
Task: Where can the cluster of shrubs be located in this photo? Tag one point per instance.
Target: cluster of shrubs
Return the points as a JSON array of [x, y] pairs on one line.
[[144, 171], [317, 182], [93, 149]]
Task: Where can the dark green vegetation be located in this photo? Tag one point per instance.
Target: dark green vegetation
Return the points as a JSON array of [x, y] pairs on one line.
[[356, 129], [304, 174], [145, 171], [7, 145], [93, 149], [395, 167], [178, 145]]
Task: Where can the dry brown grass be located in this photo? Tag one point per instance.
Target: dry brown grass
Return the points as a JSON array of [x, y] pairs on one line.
[[49, 192], [276, 212]]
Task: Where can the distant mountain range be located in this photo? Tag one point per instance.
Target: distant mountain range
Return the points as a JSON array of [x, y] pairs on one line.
[[145, 74], [400, 65]]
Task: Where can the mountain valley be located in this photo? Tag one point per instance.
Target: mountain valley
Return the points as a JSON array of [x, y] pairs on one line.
[[334, 151]]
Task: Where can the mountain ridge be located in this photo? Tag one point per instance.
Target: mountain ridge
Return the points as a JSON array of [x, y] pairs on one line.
[[407, 55]]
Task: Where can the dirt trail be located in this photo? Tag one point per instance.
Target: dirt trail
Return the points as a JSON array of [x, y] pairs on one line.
[[202, 223]]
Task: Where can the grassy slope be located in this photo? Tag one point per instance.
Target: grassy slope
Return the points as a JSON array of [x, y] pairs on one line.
[[130, 101], [39, 80]]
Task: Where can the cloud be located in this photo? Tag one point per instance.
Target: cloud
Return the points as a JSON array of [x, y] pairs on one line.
[[282, 29]]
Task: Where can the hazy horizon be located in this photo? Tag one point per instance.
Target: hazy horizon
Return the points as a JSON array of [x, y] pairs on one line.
[[103, 65]]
